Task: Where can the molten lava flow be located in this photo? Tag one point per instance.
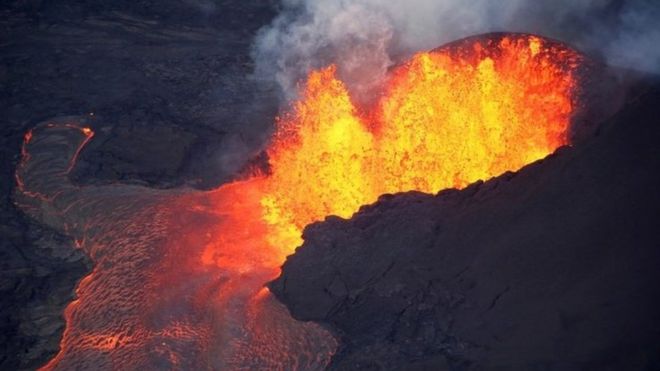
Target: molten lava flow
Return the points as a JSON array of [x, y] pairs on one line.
[[449, 117]]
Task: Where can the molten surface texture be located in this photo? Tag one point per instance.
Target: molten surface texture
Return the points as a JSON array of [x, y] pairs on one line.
[[178, 278], [150, 302]]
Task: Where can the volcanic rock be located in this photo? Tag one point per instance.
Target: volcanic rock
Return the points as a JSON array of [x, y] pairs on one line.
[[554, 267]]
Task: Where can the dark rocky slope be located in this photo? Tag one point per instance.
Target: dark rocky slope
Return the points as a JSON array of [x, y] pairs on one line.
[[551, 268]]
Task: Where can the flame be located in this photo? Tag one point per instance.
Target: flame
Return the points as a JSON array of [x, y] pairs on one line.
[[448, 118]]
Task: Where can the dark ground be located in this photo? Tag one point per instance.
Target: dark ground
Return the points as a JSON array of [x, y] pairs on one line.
[[551, 268], [167, 84]]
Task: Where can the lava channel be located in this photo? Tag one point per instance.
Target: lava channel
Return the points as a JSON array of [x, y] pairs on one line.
[[178, 278]]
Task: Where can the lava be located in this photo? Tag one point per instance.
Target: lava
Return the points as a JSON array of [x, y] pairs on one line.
[[471, 110], [182, 270], [25, 157]]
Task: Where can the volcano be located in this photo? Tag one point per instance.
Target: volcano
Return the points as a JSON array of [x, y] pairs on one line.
[[398, 274]]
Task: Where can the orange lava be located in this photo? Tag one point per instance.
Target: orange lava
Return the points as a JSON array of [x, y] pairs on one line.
[[468, 111], [449, 117]]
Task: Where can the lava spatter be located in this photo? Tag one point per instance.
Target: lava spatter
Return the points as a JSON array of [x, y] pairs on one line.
[[468, 111]]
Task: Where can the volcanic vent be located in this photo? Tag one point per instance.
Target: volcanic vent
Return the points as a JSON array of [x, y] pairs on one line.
[[179, 275]]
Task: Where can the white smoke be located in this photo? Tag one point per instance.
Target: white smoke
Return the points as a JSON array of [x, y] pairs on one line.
[[636, 43], [364, 37]]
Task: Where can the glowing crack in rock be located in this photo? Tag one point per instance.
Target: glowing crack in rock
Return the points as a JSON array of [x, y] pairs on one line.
[[178, 278]]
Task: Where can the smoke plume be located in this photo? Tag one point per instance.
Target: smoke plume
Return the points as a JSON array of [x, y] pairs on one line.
[[365, 37]]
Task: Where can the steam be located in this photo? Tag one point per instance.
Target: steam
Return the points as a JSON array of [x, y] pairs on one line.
[[364, 37]]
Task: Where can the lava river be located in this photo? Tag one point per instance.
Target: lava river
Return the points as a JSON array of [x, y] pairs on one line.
[[178, 277]]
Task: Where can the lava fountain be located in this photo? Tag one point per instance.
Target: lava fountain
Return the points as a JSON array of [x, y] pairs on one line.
[[468, 111], [179, 275]]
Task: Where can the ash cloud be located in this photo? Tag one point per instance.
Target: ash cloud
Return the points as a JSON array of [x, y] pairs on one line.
[[365, 37]]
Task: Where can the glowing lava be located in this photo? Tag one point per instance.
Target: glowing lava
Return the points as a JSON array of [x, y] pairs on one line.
[[468, 111], [449, 117]]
